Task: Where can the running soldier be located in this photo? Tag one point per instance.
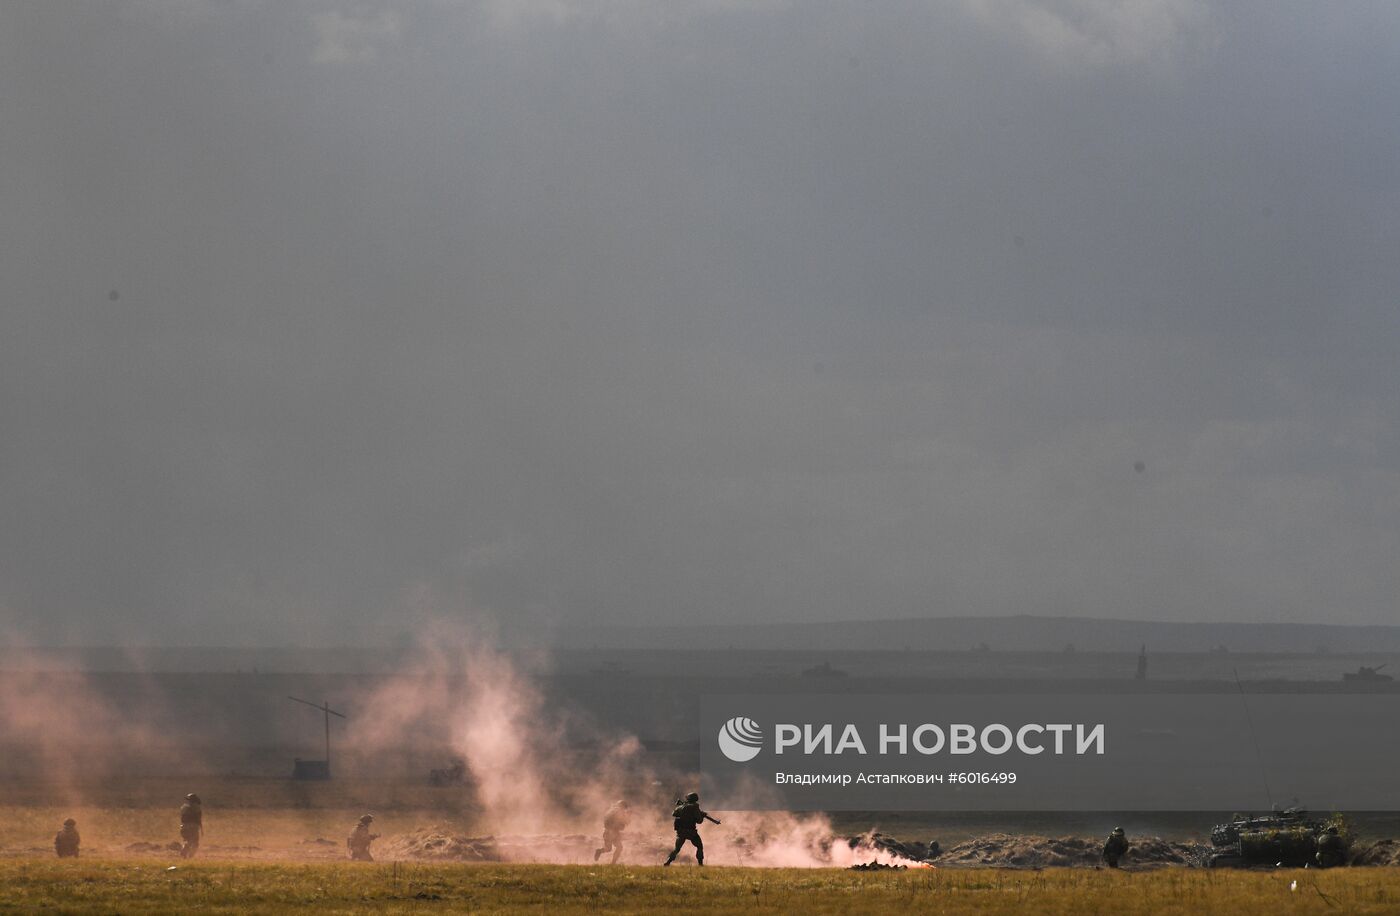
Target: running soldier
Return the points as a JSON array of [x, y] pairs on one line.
[[688, 818], [614, 822]]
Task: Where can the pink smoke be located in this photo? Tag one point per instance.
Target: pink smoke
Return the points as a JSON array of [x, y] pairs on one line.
[[540, 774], [54, 722]]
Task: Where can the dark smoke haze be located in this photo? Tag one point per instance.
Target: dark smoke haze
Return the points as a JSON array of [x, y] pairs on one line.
[[319, 320]]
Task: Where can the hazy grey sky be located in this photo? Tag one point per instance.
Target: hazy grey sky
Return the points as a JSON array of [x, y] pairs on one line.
[[321, 318]]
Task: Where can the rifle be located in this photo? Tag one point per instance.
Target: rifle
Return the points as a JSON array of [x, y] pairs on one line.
[[680, 803]]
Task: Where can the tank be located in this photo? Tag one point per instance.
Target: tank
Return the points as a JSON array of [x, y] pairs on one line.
[[1229, 833], [1285, 838], [1367, 674]]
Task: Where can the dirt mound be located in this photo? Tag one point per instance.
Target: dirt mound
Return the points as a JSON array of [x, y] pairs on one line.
[[1156, 851], [1003, 850], [433, 845], [1385, 852]]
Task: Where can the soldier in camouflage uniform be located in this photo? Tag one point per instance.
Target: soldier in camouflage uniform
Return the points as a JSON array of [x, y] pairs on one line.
[[360, 838], [191, 825], [1331, 848], [688, 817], [614, 822], [1115, 847], [67, 841]]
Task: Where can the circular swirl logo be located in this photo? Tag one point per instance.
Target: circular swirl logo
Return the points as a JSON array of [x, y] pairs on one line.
[[740, 739]]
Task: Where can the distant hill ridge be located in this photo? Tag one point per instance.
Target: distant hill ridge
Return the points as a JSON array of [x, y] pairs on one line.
[[1023, 633]]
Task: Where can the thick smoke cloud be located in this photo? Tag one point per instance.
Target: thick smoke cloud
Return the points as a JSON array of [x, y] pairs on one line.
[[538, 773], [623, 313]]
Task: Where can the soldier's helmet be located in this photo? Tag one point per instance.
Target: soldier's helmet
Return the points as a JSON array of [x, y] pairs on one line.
[[366, 818], [192, 798], [70, 823], [1332, 829], [693, 797], [1117, 831]]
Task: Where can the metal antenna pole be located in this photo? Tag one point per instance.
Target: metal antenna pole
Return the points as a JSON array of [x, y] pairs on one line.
[[326, 710], [1258, 754]]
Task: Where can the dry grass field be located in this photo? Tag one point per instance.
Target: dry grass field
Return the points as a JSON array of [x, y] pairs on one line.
[[244, 818], [274, 846], [209, 886]]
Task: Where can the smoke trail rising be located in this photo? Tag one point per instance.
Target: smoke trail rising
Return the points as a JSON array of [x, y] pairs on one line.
[[547, 773]]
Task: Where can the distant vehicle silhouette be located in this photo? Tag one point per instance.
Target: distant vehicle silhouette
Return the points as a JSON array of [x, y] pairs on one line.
[[823, 670], [1364, 673], [455, 775]]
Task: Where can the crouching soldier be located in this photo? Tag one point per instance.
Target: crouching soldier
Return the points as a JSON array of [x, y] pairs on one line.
[[618, 816], [360, 838], [191, 825], [1331, 848], [688, 818], [1115, 847], [67, 841]]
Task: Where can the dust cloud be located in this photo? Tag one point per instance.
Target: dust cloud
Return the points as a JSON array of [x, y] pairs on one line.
[[56, 723], [543, 776]]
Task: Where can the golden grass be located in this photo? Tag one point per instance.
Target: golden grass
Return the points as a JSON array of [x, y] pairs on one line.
[[107, 831], [143, 886]]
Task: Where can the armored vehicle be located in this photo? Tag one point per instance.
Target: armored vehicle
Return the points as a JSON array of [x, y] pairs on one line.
[[1286, 838], [1367, 674]]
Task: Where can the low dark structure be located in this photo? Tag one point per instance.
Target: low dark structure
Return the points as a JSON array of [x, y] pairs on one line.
[[311, 769]]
